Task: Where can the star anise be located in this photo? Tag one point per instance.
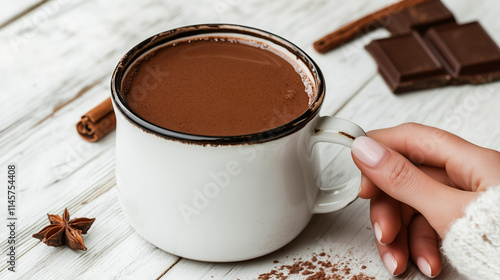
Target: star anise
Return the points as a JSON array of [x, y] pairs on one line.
[[62, 231]]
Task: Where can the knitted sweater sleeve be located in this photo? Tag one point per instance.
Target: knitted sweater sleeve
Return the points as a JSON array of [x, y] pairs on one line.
[[472, 244]]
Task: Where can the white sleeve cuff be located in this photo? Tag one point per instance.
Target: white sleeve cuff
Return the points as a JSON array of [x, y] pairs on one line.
[[472, 244]]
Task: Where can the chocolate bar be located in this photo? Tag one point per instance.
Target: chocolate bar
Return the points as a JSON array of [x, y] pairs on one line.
[[419, 18], [451, 54], [466, 51], [406, 63]]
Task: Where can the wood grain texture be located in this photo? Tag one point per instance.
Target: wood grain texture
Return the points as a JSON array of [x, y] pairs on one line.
[[60, 67], [12, 11], [81, 42]]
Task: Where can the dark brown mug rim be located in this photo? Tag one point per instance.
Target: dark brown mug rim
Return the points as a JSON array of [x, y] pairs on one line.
[[162, 38]]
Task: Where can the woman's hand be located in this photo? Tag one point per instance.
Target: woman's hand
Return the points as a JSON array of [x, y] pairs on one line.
[[427, 177]]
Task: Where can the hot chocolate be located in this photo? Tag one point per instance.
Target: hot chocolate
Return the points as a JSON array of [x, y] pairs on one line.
[[217, 87]]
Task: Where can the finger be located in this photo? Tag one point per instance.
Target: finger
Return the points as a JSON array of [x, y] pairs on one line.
[[400, 179], [438, 174], [435, 147], [367, 189], [385, 217], [424, 245], [406, 213], [395, 254], [422, 144]]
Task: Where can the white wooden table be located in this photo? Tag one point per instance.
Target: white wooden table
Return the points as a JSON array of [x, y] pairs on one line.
[[57, 57]]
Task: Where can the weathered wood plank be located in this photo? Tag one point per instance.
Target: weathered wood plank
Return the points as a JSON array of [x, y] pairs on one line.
[[67, 53], [51, 62], [114, 251], [58, 169], [14, 10]]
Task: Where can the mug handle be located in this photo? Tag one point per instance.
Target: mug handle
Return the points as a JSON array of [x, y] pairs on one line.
[[338, 131]]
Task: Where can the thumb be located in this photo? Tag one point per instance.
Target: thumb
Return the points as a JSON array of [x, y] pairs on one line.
[[400, 179]]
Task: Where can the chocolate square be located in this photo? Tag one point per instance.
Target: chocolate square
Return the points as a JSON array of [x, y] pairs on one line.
[[406, 63], [466, 51], [419, 18]]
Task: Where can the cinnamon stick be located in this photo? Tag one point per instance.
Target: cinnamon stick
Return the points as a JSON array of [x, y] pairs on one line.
[[351, 30], [98, 122]]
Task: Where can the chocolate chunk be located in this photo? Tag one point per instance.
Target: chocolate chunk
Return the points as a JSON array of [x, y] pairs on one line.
[[406, 63], [419, 18], [466, 51]]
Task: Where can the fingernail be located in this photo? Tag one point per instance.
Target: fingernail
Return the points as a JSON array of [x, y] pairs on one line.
[[368, 151], [378, 232], [390, 263], [424, 267]]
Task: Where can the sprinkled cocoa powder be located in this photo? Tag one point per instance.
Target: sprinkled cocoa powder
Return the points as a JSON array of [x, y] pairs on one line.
[[307, 272], [346, 270], [320, 275], [319, 267]]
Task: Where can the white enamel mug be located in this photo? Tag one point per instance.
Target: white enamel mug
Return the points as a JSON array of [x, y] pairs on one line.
[[224, 198]]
